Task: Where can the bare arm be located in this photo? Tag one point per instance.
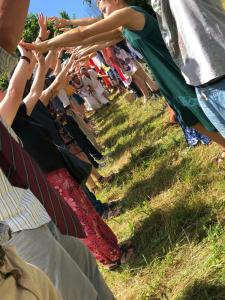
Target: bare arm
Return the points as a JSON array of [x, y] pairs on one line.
[[50, 59], [103, 37], [58, 66], [37, 86], [10, 103], [12, 19], [60, 22], [121, 18], [57, 84], [96, 47]]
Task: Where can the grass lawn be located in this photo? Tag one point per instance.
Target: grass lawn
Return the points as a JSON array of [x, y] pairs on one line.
[[173, 201]]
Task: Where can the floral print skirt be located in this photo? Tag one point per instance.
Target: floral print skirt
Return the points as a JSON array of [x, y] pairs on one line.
[[100, 239]]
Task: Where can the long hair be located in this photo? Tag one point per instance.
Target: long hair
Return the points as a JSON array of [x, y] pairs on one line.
[[144, 4]]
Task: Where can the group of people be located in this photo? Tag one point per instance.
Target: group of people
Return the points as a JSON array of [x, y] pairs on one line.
[[49, 157]]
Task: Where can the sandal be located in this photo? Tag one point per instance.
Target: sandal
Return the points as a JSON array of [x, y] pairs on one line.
[[127, 253], [113, 266], [111, 213], [108, 179]]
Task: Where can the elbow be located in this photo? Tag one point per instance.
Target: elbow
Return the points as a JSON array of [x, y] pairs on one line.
[[35, 95]]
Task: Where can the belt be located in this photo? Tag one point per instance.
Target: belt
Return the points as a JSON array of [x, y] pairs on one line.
[[208, 84]]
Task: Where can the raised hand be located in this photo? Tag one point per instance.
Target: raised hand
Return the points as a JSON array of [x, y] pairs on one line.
[[40, 58], [24, 52], [43, 24], [59, 22]]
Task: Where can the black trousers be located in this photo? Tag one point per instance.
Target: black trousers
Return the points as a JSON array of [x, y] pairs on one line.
[[82, 141]]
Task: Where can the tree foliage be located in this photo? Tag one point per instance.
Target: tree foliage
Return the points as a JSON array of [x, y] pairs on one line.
[[31, 29], [4, 82], [63, 14]]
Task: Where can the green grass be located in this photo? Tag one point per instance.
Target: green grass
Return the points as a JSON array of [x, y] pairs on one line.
[[173, 201]]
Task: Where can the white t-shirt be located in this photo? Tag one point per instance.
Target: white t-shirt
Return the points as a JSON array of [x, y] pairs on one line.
[[64, 98]]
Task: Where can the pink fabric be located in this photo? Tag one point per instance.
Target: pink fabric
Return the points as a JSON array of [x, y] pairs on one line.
[[106, 80], [100, 240], [112, 60]]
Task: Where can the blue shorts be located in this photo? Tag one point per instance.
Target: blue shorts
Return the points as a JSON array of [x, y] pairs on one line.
[[212, 102]]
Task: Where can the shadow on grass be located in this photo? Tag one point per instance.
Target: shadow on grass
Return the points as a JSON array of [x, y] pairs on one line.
[[105, 113], [165, 229], [164, 177], [201, 290], [136, 139], [112, 121], [134, 129]]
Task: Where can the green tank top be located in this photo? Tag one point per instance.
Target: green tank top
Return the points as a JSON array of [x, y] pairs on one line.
[[181, 97]]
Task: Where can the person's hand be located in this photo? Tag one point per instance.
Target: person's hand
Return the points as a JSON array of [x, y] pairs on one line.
[[71, 60], [70, 50], [59, 22], [40, 59], [74, 65], [64, 29], [63, 81], [24, 52], [60, 52], [43, 24], [38, 47], [81, 53]]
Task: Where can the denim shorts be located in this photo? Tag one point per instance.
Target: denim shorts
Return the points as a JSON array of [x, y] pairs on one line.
[[212, 102]]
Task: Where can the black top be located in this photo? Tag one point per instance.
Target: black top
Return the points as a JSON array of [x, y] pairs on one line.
[[37, 141], [41, 115]]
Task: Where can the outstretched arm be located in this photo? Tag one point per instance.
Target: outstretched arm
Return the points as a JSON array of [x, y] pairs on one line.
[[103, 37], [37, 86], [126, 17], [12, 19], [60, 80], [58, 66], [10, 103], [42, 36], [60, 22], [96, 47]]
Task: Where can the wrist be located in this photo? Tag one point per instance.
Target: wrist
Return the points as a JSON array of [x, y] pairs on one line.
[[40, 38], [27, 59], [68, 23], [43, 46]]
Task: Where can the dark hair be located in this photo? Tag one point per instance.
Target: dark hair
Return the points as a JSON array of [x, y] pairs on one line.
[[142, 3]]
